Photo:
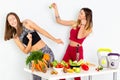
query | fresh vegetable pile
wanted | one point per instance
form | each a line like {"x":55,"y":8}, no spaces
{"x":78,"y":65}
{"x":58,"y":64}
{"x":38,"y":61}
{"x":72,"y":66}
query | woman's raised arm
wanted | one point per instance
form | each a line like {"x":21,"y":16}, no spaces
{"x":59,"y":20}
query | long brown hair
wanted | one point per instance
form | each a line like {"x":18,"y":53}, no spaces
{"x":88,"y":15}
{"x":11,"y":31}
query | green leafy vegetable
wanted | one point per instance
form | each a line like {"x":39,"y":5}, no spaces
{"x":35,"y":55}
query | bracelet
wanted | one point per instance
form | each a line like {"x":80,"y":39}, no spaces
{"x":57,"y":16}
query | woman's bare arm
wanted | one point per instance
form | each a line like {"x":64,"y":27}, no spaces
{"x":25,"y":49}
{"x":42,"y":31}
{"x":59,"y":20}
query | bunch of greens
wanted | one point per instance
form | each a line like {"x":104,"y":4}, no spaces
{"x":35,"y":55}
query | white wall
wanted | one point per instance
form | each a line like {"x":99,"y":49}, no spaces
{"x":105,"y":30}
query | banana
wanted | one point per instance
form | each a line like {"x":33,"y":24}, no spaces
{"x":70,"y":70}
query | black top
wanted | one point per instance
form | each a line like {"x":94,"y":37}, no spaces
{"x":25,"y":40}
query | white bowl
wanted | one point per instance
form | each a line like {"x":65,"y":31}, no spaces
{"x":58,"y":69}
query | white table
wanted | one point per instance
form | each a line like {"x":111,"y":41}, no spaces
{"x":61,"y":75}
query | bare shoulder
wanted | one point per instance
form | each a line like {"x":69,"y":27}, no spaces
{"x":28,"y":24}
{"x":26,"y":21}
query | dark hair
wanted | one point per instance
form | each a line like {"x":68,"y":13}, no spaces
{"x":11,"y":31}
{"x":88,"y":15}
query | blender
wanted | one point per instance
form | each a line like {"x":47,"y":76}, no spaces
{"x":102,"y":56}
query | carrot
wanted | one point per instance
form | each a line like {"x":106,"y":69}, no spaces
{"x":33,"y":66}
{"x":40,"y":64}
{"x":38,"y":67}
{"x":45,"y":61}
{"x":45,"y":65}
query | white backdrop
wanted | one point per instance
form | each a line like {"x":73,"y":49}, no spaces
{"x":105,"y":31}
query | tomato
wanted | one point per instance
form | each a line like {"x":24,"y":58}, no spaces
{"x":85,"y":67}
{"x":59,"y":65}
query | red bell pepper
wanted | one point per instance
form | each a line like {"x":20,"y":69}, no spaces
{"x":85,"y":67}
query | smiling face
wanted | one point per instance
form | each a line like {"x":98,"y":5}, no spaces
{"x":13,"y":26}
{"x":12,"y":21}
{"x":81,"y":15}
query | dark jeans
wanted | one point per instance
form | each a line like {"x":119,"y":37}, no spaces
{"x":35,"y":77}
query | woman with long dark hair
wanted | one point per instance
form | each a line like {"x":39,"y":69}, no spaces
{"x":25,"y":35}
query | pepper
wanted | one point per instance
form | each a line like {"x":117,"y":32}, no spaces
{"x":85,"y":67}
